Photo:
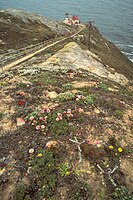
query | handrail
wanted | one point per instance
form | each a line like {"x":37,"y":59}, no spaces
{"x":30,"y":52}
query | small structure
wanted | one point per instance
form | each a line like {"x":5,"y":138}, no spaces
{"x":71,"y":20}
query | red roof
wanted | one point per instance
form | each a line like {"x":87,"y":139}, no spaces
{"x":74,"y":17}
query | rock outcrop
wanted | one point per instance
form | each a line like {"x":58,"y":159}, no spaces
{"x":73,"y":57}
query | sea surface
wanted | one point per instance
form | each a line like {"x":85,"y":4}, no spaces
{"x":114,"y":18}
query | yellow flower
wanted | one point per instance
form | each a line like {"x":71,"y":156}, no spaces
{"x":111,"y":147}
{"x":116,"y":154}
{"x":39,"y":155}
{"x":120,"y":149}
{"x":67,"y":173}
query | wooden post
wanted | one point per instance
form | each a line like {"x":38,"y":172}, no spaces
{"x":89,"y":43}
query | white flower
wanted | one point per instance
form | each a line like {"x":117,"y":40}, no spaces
{"x":31,"y":150}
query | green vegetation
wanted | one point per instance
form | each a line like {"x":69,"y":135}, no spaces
{"x":66,"y":96}
{"x":44,"y":168}
{"x":64,"y":169}
{"x":67,"y":86}
{"x":122,"y":193}
{"x":20,"y":193}
{"x":80,"y":191}
{"x":88,"y":100}
{"x":54,"y":121}
{"x":1,"y":115}
{"x":118,"y":114}
{"x":103,"y":87}
{"x":44,"y":78}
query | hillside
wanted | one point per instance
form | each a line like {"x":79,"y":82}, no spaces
{"x":67,"y":121}
{"x":19,"y":29}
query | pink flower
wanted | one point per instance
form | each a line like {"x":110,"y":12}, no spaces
{"x":59,"y":114}
{"x":68,"y":111}
{"x":70,"y":115}
{"x":42,"y":111}
{"x":64,"y":112}
{"x":38,"y":127}
{"x":40,"y":118}
{"x":97,"y":142}
{"x":48,"y":110}
{"x":32,"y":118}
{"x":89,"y":142}
{"x":60,"y":118}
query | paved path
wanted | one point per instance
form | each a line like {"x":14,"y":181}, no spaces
{"x":20,"y":60}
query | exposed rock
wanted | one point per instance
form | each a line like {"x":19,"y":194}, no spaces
{"x":120,"y":78}
{"x":51,"y":95}
{"x":73,"y":57}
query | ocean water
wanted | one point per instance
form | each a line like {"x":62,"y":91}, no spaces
{"x":114,"y":18}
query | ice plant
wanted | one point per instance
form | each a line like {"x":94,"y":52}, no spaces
{"x":32,"y":118}
{"x":48,"y":110}
{"x":38,"y":127}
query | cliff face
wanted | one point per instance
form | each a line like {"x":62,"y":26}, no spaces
{"x":66,"y":118}
{"x":109,"y":54}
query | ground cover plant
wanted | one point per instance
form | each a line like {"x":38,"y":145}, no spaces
{"x":70,"y":146}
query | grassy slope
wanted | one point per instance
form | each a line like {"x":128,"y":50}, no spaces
{"x":15,"y":33}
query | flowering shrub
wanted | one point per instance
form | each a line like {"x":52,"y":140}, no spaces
{"x":54,"y":121}
{"x":113,"y":150}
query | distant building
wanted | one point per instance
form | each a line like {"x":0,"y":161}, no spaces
{"x":71,"y":20}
